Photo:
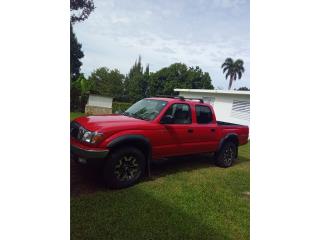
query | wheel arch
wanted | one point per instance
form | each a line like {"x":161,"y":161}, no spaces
{"x":139,"y":141}
{"x":232,"y":137}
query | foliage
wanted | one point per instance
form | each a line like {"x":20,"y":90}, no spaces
{"x":120,"y":106}
{"x":140,"y":84}
{"x":136,"y":82}
{"x":243,"y":89}
{"x":75,"y":55}
{"x":188,"y":197}
{"x":106,"y":82}
{"x":178,"y":75}
{"x":233,"y":69}
{"x":80,"y":9}
{"x":79,"y":86}
{"x":80,"y":90}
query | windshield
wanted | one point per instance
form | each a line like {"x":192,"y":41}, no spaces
{"x":146,"y":109}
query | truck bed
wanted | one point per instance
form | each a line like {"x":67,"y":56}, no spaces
{"x":231,"y":128}
{"x":228,"y":124}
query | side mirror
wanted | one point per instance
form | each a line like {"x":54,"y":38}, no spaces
{"x":167,"y":119}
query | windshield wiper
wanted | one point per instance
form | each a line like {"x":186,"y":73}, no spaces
{"x":133,"y":115}
{"x":137,"y":116}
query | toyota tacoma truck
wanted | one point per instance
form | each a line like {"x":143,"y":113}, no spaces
{"x":153,"y":128}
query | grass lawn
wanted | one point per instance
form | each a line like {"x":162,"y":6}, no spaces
{"x":188,"y":198}
{"x":74,"y":115}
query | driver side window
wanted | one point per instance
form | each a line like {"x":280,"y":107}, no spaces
{"x":180,"y":113}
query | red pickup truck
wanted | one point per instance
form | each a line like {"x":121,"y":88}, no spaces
{"x":151,"y":129}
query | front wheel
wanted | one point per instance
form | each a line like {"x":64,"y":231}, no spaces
{"x":124,"y":167}
{"x":226,"y":155}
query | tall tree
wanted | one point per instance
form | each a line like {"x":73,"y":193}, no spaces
{"x":80,"y":10}
{"x":233,"y":69}
{"x":136,"y":83}
{"x":107,"y":82}
{"x":75,"y":55}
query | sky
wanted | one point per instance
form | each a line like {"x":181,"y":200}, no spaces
{"x":198,"y":33}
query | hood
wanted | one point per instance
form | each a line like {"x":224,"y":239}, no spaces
{"x":96,"y":123}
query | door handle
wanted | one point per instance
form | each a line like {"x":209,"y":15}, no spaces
{"x":190,"y":130}
{"x":213,"y":130}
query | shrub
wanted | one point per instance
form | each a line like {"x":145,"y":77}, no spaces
{"x":120,"y":106}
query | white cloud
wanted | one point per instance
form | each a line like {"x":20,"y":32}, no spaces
{"x":196,"y":33}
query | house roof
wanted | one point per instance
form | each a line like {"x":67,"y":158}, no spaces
{"x":213,"y":91}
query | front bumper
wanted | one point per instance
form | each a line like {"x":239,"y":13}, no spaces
{"x":88,"y":153}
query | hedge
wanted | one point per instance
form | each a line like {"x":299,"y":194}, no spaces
{"x":120,"y":106}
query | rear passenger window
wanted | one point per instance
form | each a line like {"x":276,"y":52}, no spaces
{"x":204,"y":114}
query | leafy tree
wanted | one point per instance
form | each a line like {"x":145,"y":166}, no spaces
{"x":107,"y":82}
{"x":198,"y":79}
{"x":136,"y":82}
{"x":178,"y":75}
{"x":243,"y":89}
{"x":80,"y":89}
{"x":233,"y":69}
{"x":75,"y":55}
{"x":80,"y":10}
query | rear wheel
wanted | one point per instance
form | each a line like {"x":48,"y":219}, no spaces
{"x":226,"y":155}
{"x":124,"y":167}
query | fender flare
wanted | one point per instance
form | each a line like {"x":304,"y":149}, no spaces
{"x":232,"y":136}
{"x":137,"y":140}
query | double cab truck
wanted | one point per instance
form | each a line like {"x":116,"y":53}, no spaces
{"x":153,"y":128}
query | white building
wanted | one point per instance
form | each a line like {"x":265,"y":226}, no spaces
{"x":229,"y":106}
{"x":98,"y":105}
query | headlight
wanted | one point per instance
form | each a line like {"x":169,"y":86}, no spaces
{"x":87,"y":136}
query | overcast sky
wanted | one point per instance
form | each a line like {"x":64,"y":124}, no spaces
{"x":198,"y":33}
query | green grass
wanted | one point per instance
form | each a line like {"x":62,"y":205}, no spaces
{"x":185,"y":199}
{"x":74,"y":115}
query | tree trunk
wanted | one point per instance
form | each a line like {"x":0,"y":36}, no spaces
{"x":230,"y":82}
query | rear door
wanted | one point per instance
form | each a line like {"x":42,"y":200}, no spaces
{"x":206,"y":129}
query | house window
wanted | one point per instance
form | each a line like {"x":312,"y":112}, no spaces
{"x":241,"y":110}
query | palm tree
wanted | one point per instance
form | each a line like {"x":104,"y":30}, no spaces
{"x":234,"y":69}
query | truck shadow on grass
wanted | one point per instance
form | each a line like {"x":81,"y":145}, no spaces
{"x":85,"y":179}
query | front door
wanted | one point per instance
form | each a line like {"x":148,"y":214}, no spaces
{"x":180,"y":130}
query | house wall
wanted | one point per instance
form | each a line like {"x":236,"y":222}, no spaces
{"x":224,"y":106}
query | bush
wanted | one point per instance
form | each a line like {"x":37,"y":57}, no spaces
{"x":120,"y":106}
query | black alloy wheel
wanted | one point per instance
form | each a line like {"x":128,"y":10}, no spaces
{"x":226,"y":155}
{"x":124,"y":167}
{"x":127,"y":168}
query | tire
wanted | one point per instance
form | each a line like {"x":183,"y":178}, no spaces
{"x":226,"y":155}
{"x":124,"y":167}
